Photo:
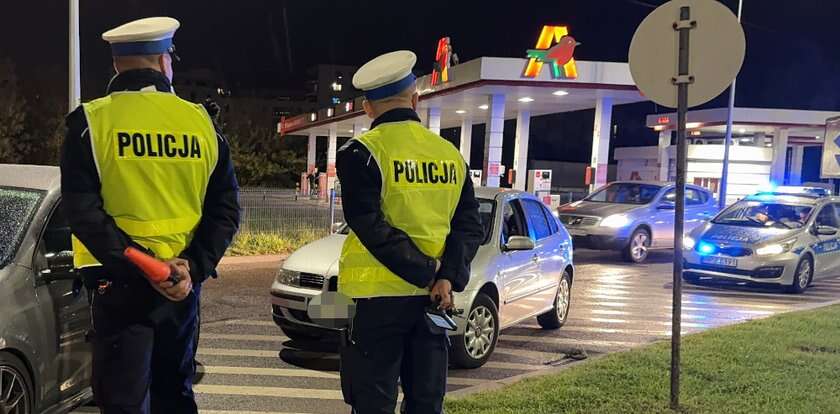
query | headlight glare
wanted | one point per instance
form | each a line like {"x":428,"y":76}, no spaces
{"x":775,"y":248}
{"x":615,"y":221}
{"x":288,"y":277}
{"x":688,"y":243}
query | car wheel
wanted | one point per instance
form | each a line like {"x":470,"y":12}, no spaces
{"x":802,"y":277}
{"x":637,"y":248}
{"x":556,"y":317}
{"x":474,"y":348}
{"x":15,"y":386}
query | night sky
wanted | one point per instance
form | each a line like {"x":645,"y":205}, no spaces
{"x":793,"y":59}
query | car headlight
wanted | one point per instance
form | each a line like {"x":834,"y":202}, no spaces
{"x":615,"y":221}
{"x":775,"y":248}
{"x":688,"y":243}
{"x":288,"y":277}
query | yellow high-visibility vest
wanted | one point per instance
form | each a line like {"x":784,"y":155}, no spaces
{"x":422,"y":178}
{"x":154,"y":153}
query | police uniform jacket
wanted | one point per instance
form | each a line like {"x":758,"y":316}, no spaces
{"x":90,"y":223}
{"x":361,"y":187}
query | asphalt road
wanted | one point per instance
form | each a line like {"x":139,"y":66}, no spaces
{"x":247,"y":366}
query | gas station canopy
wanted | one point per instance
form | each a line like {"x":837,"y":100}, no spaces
{"x":466,"y":94}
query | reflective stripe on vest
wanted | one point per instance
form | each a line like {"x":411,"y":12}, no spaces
{"x":422,"y":178}
{"x":154,"y":153}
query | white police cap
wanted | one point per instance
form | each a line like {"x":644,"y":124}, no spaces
{"x":149,"y":36}
{"x":386,"y":75}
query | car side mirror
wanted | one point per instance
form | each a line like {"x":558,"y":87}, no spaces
{"x":59,"y":267}
{"x":826,"y":230}
{"x":666,"y":206}
{"x":519,"y":243}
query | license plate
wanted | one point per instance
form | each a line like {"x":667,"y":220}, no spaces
{"x":575,"y":232}
{"x":720,"y":261}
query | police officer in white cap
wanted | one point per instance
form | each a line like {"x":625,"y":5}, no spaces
{"x":143,"y":168}
{"x":409,"y":202}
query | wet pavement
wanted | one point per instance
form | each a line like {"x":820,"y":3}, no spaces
{"x":247,"y":365}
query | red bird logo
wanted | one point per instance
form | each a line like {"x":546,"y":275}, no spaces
{"x":562,"y":52}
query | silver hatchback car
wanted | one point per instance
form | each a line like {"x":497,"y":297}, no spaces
{"x":523,"y":269}
{"x":634,"y":216}
{"x":45,"y":361}
{"x":786,"y":240}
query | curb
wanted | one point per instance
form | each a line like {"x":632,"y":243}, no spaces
{"x":268,"y":258}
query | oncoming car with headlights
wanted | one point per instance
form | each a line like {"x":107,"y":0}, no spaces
{"x":780,"y":239}
{"x":634,"y":217}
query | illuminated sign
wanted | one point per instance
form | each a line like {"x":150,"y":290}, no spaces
{"x":287,"y":124}
{"x":560,"y":56}
{"x":348,"y":106}
{"x":443,"y":58}
{"x":663,"y":120}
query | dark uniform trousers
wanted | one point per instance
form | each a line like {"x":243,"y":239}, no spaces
{"x":391,"y":340}
{"x":144,"y":348}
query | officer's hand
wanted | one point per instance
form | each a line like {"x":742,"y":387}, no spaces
{"x":179,"y":291}
{"x":442,"y":291}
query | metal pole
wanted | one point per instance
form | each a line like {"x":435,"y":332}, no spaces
{"x":724,"y":178}
{"x":332,"y":209}
{"x":74,"y":76}
{"x":682,"y":81}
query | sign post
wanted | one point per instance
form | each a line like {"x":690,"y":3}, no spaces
{"x":704,"y":41}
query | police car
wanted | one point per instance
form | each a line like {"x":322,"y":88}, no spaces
{"x":786,"y":238}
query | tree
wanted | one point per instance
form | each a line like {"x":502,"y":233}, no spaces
{"x":12,"y":113}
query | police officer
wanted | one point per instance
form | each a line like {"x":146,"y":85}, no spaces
{"x":143,"y":168}
{"x":415,"y":228}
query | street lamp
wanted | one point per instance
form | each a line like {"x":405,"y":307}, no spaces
{"x":724,"y":178}
{"x":74,"y":90}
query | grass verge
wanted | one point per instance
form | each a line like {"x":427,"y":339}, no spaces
{"x":784,"y":364}
{"x":250,"y":244}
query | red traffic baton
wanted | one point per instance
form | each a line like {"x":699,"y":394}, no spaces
{"x":155,"y":270}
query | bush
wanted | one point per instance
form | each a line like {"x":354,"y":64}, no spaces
{"x":249,"y":244}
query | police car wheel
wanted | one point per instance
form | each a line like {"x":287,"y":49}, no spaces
{"x":556,"y":317}
{"x":636,"y":250}
{"x":474,"y":348}
{"x":802,"y":277}
{"x":15,"y":386}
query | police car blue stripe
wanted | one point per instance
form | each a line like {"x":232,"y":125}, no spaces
{"x":390,"y":89}
{"x":153,"y":47}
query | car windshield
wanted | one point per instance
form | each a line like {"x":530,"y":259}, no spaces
{"x":485,"y":211}
{"x":765,"y":214}
{"x":625,"y":193}
{"x":18,"y":206}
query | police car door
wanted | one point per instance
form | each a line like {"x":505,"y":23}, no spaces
{"x":518,"y":269}
{"x":827,"y":249}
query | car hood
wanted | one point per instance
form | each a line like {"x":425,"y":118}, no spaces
{"x":319,"y":257}
{"x":589,"y":208}
{"x":724,"y":233}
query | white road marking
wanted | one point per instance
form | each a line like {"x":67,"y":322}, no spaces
{"x":519,"y":352}
{"x":270,"y":372}
{"x":282,"y":392}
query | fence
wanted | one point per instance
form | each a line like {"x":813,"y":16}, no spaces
{"x":282,"y":211}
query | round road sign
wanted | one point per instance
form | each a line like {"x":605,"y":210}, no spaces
{"x":716,"y":52}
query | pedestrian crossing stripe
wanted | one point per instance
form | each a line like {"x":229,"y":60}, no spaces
{"x":300,"y":373}
{"x":256,"y":391}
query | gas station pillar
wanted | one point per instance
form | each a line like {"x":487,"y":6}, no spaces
{"x":310,"y":154}
{"x":331,"y":148}
{"x":360,"y":126}
{"x":796,"y":160}
{"x":780,"y":143}
{"x":493,"y":139}
{"x":664,"y":160}
{"x":520,"y":149}
{"x":433,"y":119}
{"x":466,"y":137}
{"x":601,"y":141}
